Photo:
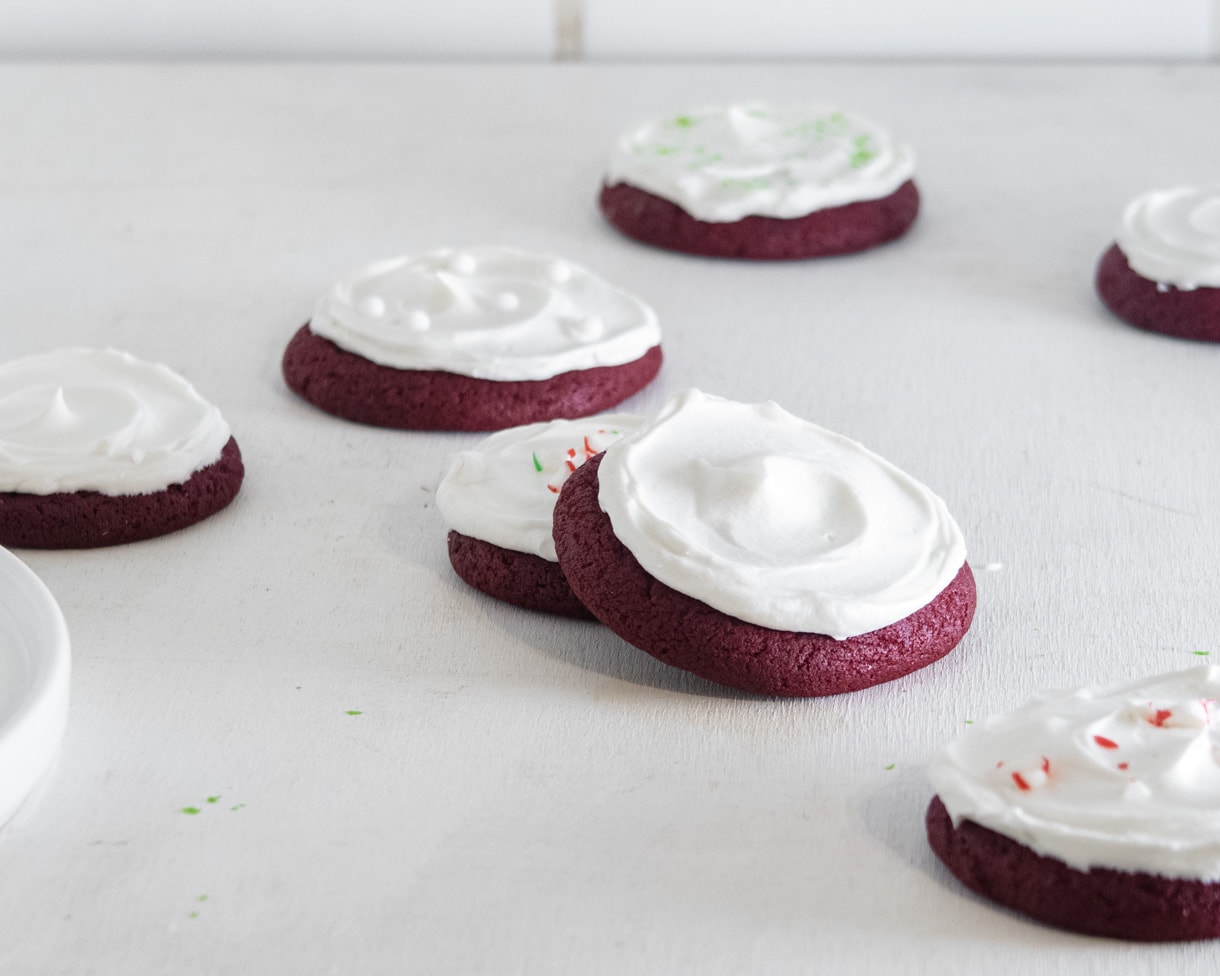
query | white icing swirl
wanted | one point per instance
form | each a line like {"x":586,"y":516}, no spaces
{"x":492,"y":313}
{"x":101,"y":420}
{"x":1123,"y":776}
{"x":504,"y":489}
{"x":776,"y":521}
{"x":723,"y":163}
{"x":1172,"y":237}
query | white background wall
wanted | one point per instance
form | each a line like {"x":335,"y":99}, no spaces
{"x":612,"y":29}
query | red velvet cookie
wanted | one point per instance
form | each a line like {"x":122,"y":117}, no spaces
{"x":474,"y":339}
{"x":1133,"y":905}
{"x":758,"y":550}
{"x":1163,"y":273}
{"x":1092,"y":810}
{"x":761,"y":182}
{"x":852,"y":227}
{"x":1193,"y":314}
{"x":99,"y":448}
{"x":498,"y":500}
{"x":89,"y":519}
{"x":520,"y":578}
{"x":355,"y":388}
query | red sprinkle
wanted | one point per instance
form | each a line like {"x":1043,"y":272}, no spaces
{"x":1046,"y":765}
{"x":1124,"y":765}
{"x":1161,"y":715}
{"x":589,"y":452}
{"x":1105,"y":743}
{"x":554,"y":490}
{"x":1020,"y":781}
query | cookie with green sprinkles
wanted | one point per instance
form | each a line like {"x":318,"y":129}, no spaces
{"x":498,"y":499}
{"x":762,"y":182}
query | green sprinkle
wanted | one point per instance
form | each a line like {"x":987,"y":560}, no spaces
{"x":684,"y":121}
{"x":190,"y":810}
{"x":537,"y":463}
{"x":238,"y":807}
{"x":664,"y":150}
{"x":891,"y":765}
{"x":202,"y":898}
{"x":860,"y":157}
{"x":193,"y":915}
{"x":353,"y":711}
{"x":1201,"y":653}
{"x":969,"y":721}
{"x":213,"y":799}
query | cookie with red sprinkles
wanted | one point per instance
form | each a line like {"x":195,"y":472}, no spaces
{"x":498,"y":499}
{"x":1092,"y":810}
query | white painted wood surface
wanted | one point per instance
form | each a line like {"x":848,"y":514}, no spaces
{"x":605,"y":29}
{"x":520,"y":794}
{"x":898,"y":28}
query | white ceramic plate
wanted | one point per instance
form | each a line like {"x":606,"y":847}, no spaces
{"x":34,"y":673}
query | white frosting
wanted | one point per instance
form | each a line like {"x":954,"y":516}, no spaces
{"x":776,"y":521}
{"x":101,"y":420}
{"x":1123,"y":776}
{"x":723,"y":163}
{"x":1173,"y":237}
{"x":503,"y":490}
{"x":493,"y":313}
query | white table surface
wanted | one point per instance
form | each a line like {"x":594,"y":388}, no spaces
{"x":521,"y":794}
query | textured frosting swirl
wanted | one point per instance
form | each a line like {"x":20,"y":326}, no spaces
{"x":101,"y":420}
{"x":776,"y":521}
{"x":1173,"y":237}
{"x":504,"y":489}
{"x":492,"y":313}
{"x":1123,"y":776}
{"x":723,"y":163}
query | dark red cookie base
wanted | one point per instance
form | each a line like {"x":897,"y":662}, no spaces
{"x":836,"y":230}
{"x":1193,"y":314}
{"x":1119,"y":904}
{"x":89,"y":519}
{"x":355,"y":388}
{"x":521,"y":578}
{"x":690,"y":635}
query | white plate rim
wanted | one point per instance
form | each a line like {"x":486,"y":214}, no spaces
{"x":32,"y":729}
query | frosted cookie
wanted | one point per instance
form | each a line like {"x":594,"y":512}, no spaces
{"x":1163,"y":271}
{"x":1095,"y":810}
{"x":480,"y":338}
{"x":760,"y":551}
{"x":99,"y":448}
{"x":498,"y":500}
{"x":752,"y":180}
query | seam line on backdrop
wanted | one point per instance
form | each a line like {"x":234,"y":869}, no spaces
{"x":570,"y":27}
